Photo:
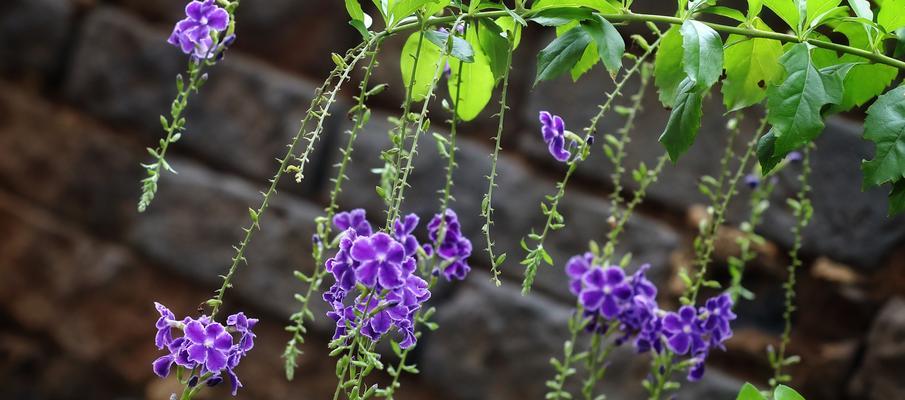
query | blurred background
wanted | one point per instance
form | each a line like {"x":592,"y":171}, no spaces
{"x":82,"y":83}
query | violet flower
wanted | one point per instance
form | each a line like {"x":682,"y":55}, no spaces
{"x":576,"y":267}
{"x":193,"y":34}
{"x":604,"y":290}
{"x":381,"y":260}
{"x":355,"y":220}
{"x":683,"y":330}
{"x":752,"y":181}
{"x":553,"y":130}
{"x":454,"y":248}
{"x":717,"y":313}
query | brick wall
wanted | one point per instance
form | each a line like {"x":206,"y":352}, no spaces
{"x":82,"y":83}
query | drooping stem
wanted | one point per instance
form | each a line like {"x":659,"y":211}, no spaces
{"x":538,"y":254}
{"x":564,"y":368}
{"x":706,"y":242}
{"x":758,"y":204}
{"x":487,"y":204}
{"x":319,"y":107}
{"x":802,"y":210}
{"x":324,"y":240}
{"x":601,"y":346}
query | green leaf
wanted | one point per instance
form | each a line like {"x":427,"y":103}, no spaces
{"x":477,"y":80}
{"x":892,"y":15}
{"x":754,"y":8}
{"x":509,"y":25}
{"x":354,"y":10}
{"x":560,"y":16}
{"x":862,"y":9}
{"x":561,"y":54}
{"x":460,"y":48}
{"x":604,"y":6}
{"x":684,"y":121}
{"x":794,"y":106}
{"x":749,"y":68}
{"x":749,"y":392}
{"x":897,"y":198}
{"x":494,"y":46}
{"x":727,"y":12}
{"x":885,"y":126}
{"x":668,"y":70}
{"x":426,"y":68}
{"x":609,"y":43}
{"x":864,"y":81}
{"x":703,"y":53}
{"x":787,"y":10}
{"x":766,"y":155}
{"x":404,"y":8}
{"x":817,"y":8}
{"x":784,"y":392}
{"x":587,"y":61}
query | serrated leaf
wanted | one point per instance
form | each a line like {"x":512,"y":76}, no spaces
{"x":684,"y":121}
{"x":426,"y":68}
{"x":794,"y":106}
{"x":892,"y":15}
{"x":477,"y":81}
{"x":864,"y":81}
{"x":459,"y":49}
{"x":560,"y":16}
{"x":750,"y":69}
{"x":668,"y":70}
{"x":702,"y":57}
{"x":561,"y":54}
{"x":885,"y":126}
{"x":609,"y":43}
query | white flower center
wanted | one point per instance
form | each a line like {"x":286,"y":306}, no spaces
{"x":686,"y":329}
{"x":607,"y":289}
{"x":208,"y":342}
{"x":203,"y":20}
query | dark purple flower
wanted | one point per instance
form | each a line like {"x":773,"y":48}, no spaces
{"x":454,"y":248}
{"x":193,"y":34}
{"x":697,"y":369}
{"x":753,"y":181}
{"x":649,"y":337}
{"x":209,"y":345}
{"x":641,"y":286}
{"x":717,"y":313}
{"x":342,"y":266}
{"x":356,"y":220}
{"x":553,"y":130}
{"x":381,"y":260}
{"x":164,"y":329}
{"x":402,"y":231}
{"x":576,"y":267}
{"x":604,"y":290}
{"x":683,"y":330}
{"x":243,"y":325}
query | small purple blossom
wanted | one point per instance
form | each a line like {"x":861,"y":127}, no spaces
{"x":355,"y":220}
{"x":717,"y":314}
{"x":604,"y":290}
{"x":553,"y":130}
{"x":453,"y":248}
{"x":752,"y":181}
{"x":683,"y":330}
{"x":576,"y":267}
{"x":193,"y":34}
{"x":205,"y":346}
{"x":795,"y":157}
{"x":381,"y":260}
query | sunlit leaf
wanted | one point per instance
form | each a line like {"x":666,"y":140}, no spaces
{"x":428,"y":59}
{"x":750,"y":68}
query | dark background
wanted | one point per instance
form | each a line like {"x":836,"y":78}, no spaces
{"x":82,"y":83}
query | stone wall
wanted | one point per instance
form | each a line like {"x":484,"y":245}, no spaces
{"x":82,"y":83}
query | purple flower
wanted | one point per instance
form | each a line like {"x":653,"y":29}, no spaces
{"x":795,"y":157}
{"x":356,"y":220}
{"x":402,"y":231}
{"x":576,"y":267}
{"x":604,"y":290}
{"x":193,"y":34}
{"x":697,"y":369}
{"x":243,"y":325}
{"x":381,"y":260}
{"x":641,"y":286}
{"x":209,"y":345}
{"x":752,"y":181}
{"x":454,"y":248}
{"x":717,"y":312}
{"x":553,"y":130}
{"x":683,"y":330}
{"x":164,"y":329}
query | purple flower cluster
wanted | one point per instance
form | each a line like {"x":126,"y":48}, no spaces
{"x":553,"y":130}
{"x":193,"y":34}
{"x":375,"y":271}
{"x":205,"y":346}
{"x":608,"y":297}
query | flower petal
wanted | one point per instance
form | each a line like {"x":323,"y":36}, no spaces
{"x":194,"y":331}
{"x":216,"y":360}
{"x":679,"y":343}
{"x":363,"y":250}
{"x":367,"y":273}
{"x":162,"y":365}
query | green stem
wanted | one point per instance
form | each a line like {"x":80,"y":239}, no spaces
{"x":358,"y":53}
{"x":802,"y":211}
{"x":749,"y":32}
{"x":487,"y":205}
